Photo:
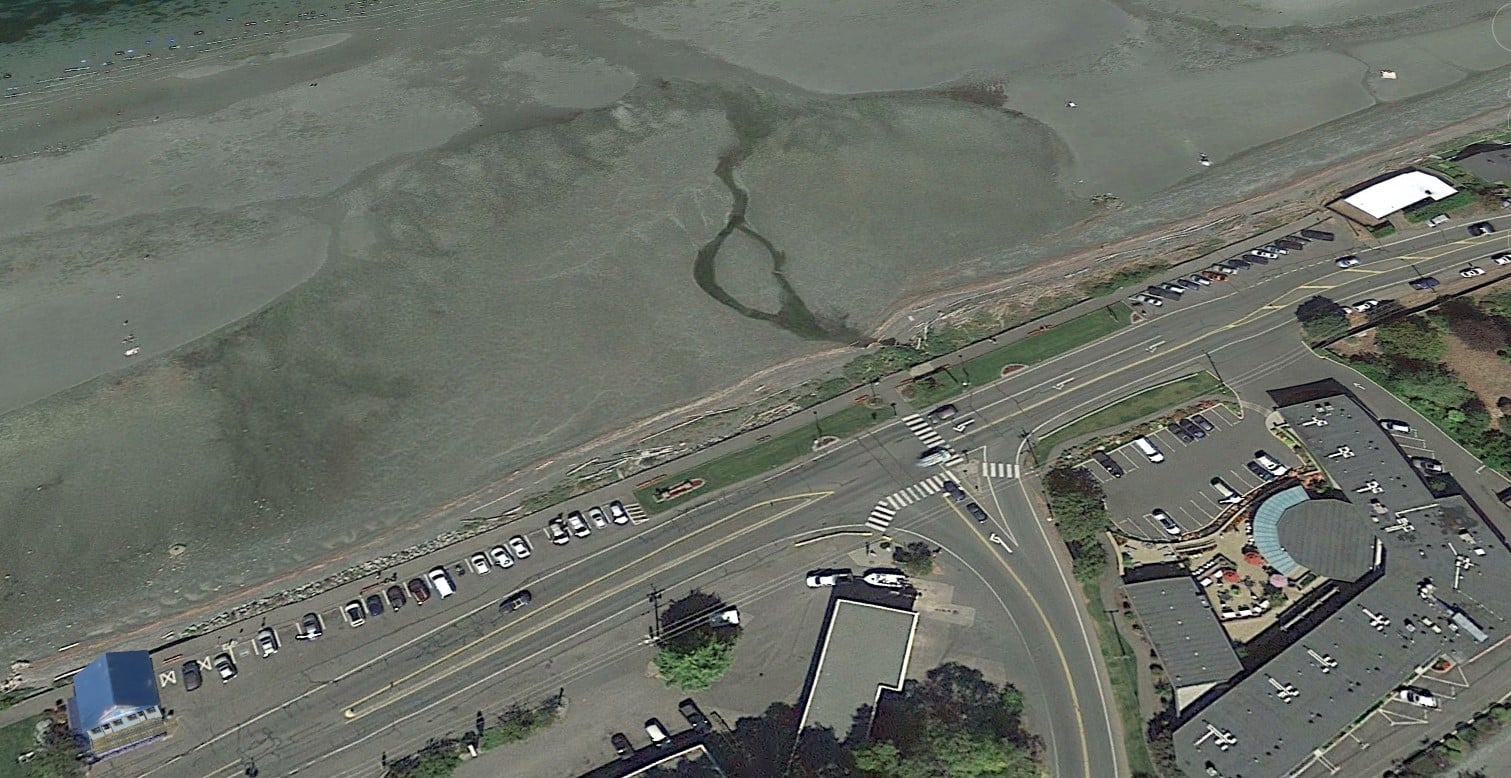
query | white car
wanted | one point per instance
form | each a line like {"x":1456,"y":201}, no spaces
{"x":617,"y":513}
{"x":557,"y":532}
{"x":1503,"y":258}
{"x":1348,"y":261}
{"x":821,"y":578}
{"x":1273,"y":249}
{"x":1361,"y":306}
{"x":479,"y":563}
{"x":1397,"y":427}
{"x":1152,"y":300}
{"x":1418,"y":697}
{"x":1471,"y":272}
{"x":1270,"y":465}
{"x":267,"y":642}
{"x":595,"y":515}
{"x":1165,"y":521}
{"x":500,"y":557}
{"x":1266,"y":254}
{"x":576,"y":524}
{"x":355,"y":615}
{"x":936,"y":455}
{"x":1174,"y":289}
{"x":520,"y":546}
{"x":1200,"y":279}
{"x":226,"y":667}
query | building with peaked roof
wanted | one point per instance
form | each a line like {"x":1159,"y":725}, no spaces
{"x":115,"y":705}
{"x":1490,"y":161}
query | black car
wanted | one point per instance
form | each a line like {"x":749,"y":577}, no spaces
{"x":622,"y":745}
{"x":1187,"y":283}
{"x":975,"y":511}
{"x":1481,"y":228}
{"x":192,"y":678}
{"x":1108,"y":463}
{"x":943,"y":413}
{"x":1264,"y":475}
{"x":1175,"y":429}
{"x":1293,"y":245}
{"x":695,"y":717}
{"x":1201,"y":421}
{"x":311,"y":627}
{"x":1255,"y":259}
{"x":374,"y":605}
{"x":396,"y":598}
{"x":420,"y":590}
{"x":515,"y":601}
{"x":1424,"y":283}
{"x":954,"y":491}
{"x":1318,"y":234}
{"x":1192,"y":428}
{"x":1240,"y":263}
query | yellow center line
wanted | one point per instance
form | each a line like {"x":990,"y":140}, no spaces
{"x":394,"y":692}
{"x":1075,"y":699}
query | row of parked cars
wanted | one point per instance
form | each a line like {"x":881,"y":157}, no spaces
{"x":657,"y":732}
{"x":1158,"y":294}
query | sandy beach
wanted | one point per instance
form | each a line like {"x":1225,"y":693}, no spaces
{"x":376,"y":260}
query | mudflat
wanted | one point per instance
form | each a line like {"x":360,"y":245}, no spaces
{"x":375,"y":261}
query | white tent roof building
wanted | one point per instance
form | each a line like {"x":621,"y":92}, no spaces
{"x":1397,"y":192}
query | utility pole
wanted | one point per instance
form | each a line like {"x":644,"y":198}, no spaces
{"x":1213,"y":363}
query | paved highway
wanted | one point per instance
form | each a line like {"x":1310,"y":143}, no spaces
{"x":336,"y":706}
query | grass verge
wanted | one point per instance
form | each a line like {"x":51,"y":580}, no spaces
{"x":1449,"y":204}
{"x":768,"y":455}
{"x":946,"y":383}
{"x":1131,"y":409}
{"x":1122,"y":676}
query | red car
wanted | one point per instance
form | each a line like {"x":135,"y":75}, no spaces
{"x":420,"y":591}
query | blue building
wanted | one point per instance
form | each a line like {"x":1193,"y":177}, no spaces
{"x":115,"y":705}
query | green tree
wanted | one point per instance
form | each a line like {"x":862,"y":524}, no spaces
{"x":1321,"y":318}
{"x":685,"y":624}
{"x":697,"y":668}
{"x":915,"y":558}
{"x":1411,"y":338}
{"x":879,"y":758}
{"x":1079,"y":506}
{"x":1434,"y":384}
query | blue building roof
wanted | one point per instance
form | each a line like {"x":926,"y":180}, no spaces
{"x":1266,"y":532}
{"x":117,"y":681}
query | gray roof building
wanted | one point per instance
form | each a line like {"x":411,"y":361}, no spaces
{"x":1490,"y":161}
{"x":1343,"y":655}
{"x":865,"y":650}
{"x":1192,"y":645}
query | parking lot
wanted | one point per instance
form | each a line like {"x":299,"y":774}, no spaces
{"x":1181,"y":485}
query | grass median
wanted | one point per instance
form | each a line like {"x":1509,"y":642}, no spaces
{"x":1122,"y":676}
{"x":946,"y":383}
{"x":1131,"y":409}
{"x":765,"y":456}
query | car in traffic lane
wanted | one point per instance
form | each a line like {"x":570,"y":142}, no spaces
{"x":819,"y":579}
{"x":515,"y":601}
{"x":1348,"y":261}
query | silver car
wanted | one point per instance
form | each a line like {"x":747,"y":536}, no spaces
{"x":557,"y":532}
{"x":520,"y":546}
{"x":577,"y":525}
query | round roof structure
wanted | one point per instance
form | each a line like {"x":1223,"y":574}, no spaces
{"x":1331,"y":538}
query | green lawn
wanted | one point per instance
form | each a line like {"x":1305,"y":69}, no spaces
{"x":768,"y":455}
{"x":1122,"y":675}
{"x":15,"y":740}
{"x":1448,"y":204}
{"x":1033,"y":349}
{"x":1145,"y":403}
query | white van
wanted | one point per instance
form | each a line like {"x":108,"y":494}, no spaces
{"x":440,"y":580}
{"x":937,"y":455}
{"x":1229,"y":497}
{"x":1147,"y":448}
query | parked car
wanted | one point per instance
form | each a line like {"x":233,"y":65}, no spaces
{"x":1169,"y":525}
{"x":1223,"y":268}
{"x":1440,"y":219}
{"x":374,"y":605}
{"x":1361,"y":306}
{"x":1262,"y":254}
{"x":1396,"y":427}
{"x":622,"y":745}
{"x":515,"y":601}
{"x":479,"y":563}
{"x":1239,"y":263}
{"x":1481,"y":228}
{"x":976,"y":512}
{"x":617,"y":513}
{"x":1172,"y":288}
{"x":1151,"y":299}
{"x":1318,"y":234}
{"x":442,"y":582}
{"x":954,"y":491}
{"x":1258,"y":259}
{"x":1348,"y":261}
{"x":500,"y":557}
{"x":1418,"y":697}
{"x":1187,"y":283}
{"x":1201,"y":280}
{"x":1424,"y":283}
{"x":420,"y":591}
{"x":1287,"y":243}
{"x":355,"y":615}
{"x":1175,"y":429}
{"x":943,"y":413}
{"x":657,"y":733}
{"x":1274,"y":248}
{"x":225,"y":667}
{"x":396,"y":598}
{"x":1213,"y":275}
{"x":267,"y":642}
{"x":595,"y":515}
{"x":192,"y":678}
{"x":556,"y":529}
{"x":1503,"y":258}
{"x":1201,"y":421}
{"x":311,"y":627}
{"x":821,"y":578}
{"x":577,"y":526}
{"x":1256,"y":469}
{"x":1192,"y":428}
{"x":695,"y":717}
{"x":1108,"y":463}
{"x":1429,"y":466}
{"x":1270,"y":463}
{"x":520,"y":546}
{"x":1471,"y":272}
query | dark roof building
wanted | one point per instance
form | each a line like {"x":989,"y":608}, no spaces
{"x":1430,"y":561}
{"x":1490,"y":161}
{"x":1192,"y":645}
{"x":115,"y":705}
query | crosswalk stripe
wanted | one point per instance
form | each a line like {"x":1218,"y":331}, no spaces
{"x":999,"y":470}
{"x":923,"y":431}
{"x":881,"y":517}
{"x":634,"y":511}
